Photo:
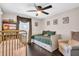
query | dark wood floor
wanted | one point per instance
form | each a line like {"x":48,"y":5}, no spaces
{"x":35,"y":50}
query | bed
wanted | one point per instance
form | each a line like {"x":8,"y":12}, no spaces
{"x":47,"y":42}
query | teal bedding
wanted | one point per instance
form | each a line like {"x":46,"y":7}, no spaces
{"x":42,"y":39}
{"x":33,"y":36}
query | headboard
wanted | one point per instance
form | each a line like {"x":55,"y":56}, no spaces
{"x":75,"y":35}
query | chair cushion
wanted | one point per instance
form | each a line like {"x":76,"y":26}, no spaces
{"x":73,"y":42}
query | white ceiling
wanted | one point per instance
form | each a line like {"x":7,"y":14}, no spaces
{"x":21,"y":8}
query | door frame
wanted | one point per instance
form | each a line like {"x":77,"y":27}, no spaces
{"x":30,"y":26}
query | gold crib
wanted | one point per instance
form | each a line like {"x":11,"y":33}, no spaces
{"x":12,"y":44}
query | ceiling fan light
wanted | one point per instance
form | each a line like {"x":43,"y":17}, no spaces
{"x":39,"y":12}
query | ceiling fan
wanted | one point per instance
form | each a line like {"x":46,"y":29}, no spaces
{"x":39,"y":9}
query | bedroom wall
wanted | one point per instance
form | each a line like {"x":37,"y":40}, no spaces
{"x":64,"y":29}
{"x":9,"y":16}
{"x":35,"y":29}
{"x":0,"y":23}
{"x":1,"y":19}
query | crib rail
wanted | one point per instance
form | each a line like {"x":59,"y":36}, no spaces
{"x":11,"y":42}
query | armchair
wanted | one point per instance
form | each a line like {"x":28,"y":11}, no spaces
{"x":69,"y":47}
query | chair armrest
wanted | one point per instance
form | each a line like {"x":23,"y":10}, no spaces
{"x":61,"y":40}
{"x":75,"y":47}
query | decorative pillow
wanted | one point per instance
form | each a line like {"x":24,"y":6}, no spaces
{"x":44,"y":32}
{"x":45,"y":35}
{"x":51,"y":33}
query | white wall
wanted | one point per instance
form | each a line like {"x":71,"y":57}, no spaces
{"x":9,"y":16}
{"x":64,"y":29}
{"x":60,"y":28}
{"x":35,"y":30}
{"x":0,"y":20}
{"x":0,"y":23}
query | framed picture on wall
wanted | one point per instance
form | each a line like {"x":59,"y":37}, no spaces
{"x":48,"y":23}
{"x":36,"y":23}
{"x":65,"y":20}
{"x":55,"y":21}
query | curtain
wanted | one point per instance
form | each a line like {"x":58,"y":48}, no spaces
{"x":22,"y":19}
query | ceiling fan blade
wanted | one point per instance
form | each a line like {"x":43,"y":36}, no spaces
{"x":45,"y":12}
{"x":50,"y":6}
{"x":31,"y":11}
{"x":35,"y":6}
